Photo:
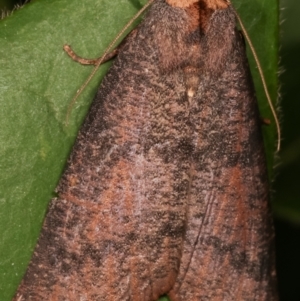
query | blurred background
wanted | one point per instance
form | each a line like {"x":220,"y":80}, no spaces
{"x":286,"y":186}
{"x":8,"y":5}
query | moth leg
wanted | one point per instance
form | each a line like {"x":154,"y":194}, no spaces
{"x":265,"y":121}
{"x":84,"y":61}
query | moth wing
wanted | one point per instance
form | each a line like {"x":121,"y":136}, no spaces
{"x":116,"y":230}
{"x":228,"y":248}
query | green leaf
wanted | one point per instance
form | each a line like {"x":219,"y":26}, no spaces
{"x":261,"y":19}
{"x":38,"y":81}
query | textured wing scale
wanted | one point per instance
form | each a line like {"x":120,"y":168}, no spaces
{"x":166,"y":188}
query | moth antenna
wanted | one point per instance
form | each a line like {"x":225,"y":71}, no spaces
{"x":261,"y":75}
{"x":99,"y":62}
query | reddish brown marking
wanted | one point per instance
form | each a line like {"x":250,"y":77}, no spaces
{"x":212,"y":4}
{"x":266,"y":121}
{"x":181,"y":3}
{"x":216,"y":4}
{"x":199,"y":11}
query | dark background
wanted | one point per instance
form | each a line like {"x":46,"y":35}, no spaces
{"x":286,"y":186}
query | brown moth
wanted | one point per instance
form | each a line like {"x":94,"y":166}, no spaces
{"x":166,"y":189}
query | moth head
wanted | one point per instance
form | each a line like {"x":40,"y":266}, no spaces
{"x":210,"y":4}
{"x":199,"y":11}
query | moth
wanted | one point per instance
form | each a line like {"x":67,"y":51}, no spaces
{"x":166,"y":189}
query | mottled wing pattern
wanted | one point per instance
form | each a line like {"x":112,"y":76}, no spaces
{"x":116,"y":230}
{"x":165,"y":190}
{"x":228,"y":248}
